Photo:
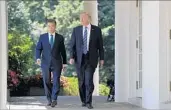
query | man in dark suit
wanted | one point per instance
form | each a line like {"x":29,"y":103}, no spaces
{"x":85,"y":50}
{"x":51,"y":55}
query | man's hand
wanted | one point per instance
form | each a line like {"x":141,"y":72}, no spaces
{"x":38,"y":62}
{"x":71,"y":61}
{"x":64,"y":67}
{"x":101,"y":63}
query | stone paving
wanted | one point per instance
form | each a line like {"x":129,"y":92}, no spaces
{"x":67,"y":103}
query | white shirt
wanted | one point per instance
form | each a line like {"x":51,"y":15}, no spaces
{"x":49,"y":34}
{"x":88,"y":35}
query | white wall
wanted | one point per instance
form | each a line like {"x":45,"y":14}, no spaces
{"x":3,"y":55}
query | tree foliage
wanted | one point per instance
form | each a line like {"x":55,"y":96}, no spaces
{"x":20,"y":52}
{"x":106,"y":22}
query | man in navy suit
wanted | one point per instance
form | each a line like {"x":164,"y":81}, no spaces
{"x":51,"y":55}
{"x":85,"y":50}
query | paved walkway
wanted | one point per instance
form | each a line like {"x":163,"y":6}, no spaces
{"x":67,"y":103}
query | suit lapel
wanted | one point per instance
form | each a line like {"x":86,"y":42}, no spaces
{"x":81,"y":34}
{"x":47,"y":40}
{"x":91,"y":34}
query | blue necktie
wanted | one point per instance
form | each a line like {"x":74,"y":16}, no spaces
{"x":51,"y":41}
{"x":85,"y":41}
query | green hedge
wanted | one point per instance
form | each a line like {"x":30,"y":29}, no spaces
{"x":103,"y":89}
{"x":72,"y":88}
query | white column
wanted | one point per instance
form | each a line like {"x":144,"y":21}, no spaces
{"x":165,"y":42}
{"x":151,"y":43}
{"x":122,"y":15}
{"x":91,"y":8}
{"x":156,"y":56}
{"x":3,"y":54}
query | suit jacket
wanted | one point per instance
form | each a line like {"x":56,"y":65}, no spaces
{"x":96,"y":49}
{"x":55,"y":56}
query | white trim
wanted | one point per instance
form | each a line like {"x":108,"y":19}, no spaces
{"x":133,"y":19}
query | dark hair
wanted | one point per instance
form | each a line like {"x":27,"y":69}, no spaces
{"x":51,"y":21}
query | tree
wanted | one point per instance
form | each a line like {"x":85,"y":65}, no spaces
{"x":106,"y":22}
{"x":67,"y":17}
{"x":20,"y":52}
{"x":18,"y":17}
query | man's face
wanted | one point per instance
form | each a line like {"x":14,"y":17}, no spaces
{"x":51,"y":27}
{"x":84,"y":19}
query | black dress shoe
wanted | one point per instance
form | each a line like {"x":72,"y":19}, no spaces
{"x":89,"y":106}
{"x":49,"y":104}
{"x":83,"y":104}
{"x":53,"y":103}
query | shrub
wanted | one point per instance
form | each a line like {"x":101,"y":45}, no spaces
{"x":35,"y":81}
{"x":12,"y":80}
{"x":69,"y":85}
{"x":72,"y":88}
{"x":103,"y":89}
